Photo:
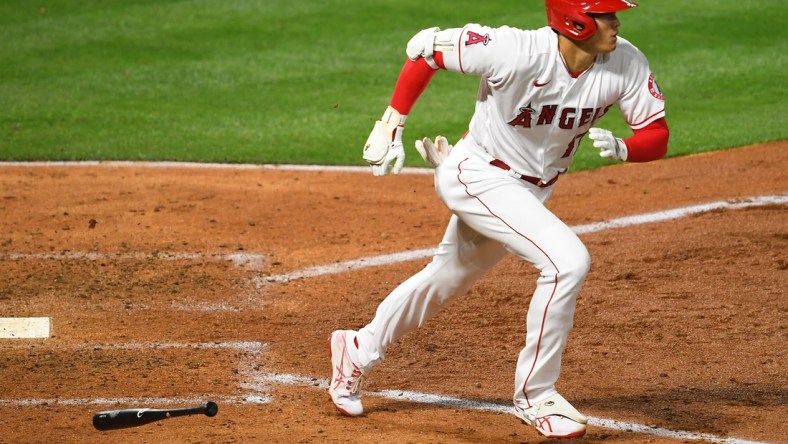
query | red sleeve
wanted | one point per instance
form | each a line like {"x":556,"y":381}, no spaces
{"x":648,"y":143}
{"x":412,"y":81}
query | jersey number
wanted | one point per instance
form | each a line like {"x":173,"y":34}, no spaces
{"x":573,"y":145}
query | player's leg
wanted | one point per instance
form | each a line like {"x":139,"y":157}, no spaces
{"x":512,"y":212}
{"x":549,"y":321}
{"x":463,"y":256}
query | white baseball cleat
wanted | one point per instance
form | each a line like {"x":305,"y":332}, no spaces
{"x":346,"y":377}
{"x":554,"y":417}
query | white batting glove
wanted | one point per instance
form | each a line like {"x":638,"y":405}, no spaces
{"x":395,"y":158}
{"x":384,"y":151}
{"x":609,"y":146}
{"x":433,"y":153}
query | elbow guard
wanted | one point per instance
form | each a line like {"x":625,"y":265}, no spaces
{"x":427,"y":41}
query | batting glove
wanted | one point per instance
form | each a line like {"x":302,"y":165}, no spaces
{"x":384,"y":151}
{"x":610,"y":147}
{"x":395,"y":158}
{"x":433,"y":153}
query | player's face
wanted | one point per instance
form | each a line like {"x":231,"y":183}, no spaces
{"x":604,"y":40}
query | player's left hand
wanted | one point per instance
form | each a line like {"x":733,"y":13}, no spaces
{"x":433,"y":153}
{"x":609,"y":145}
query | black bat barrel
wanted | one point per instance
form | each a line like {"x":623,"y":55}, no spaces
{"x":121,"y":419}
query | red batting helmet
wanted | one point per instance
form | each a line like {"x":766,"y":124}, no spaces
{"x":569,"y":17}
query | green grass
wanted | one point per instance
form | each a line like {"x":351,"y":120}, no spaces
{"x":303,"y":81}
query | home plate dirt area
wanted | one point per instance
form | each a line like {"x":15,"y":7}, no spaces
{"x":172,"y":285}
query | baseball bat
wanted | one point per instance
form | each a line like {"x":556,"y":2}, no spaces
{"x":121,"y":419}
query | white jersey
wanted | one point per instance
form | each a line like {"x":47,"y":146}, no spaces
{"x":531,"y":112}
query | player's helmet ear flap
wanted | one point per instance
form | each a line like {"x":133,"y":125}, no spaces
{"x":570,"y":17}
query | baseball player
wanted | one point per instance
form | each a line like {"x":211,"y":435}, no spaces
{"x":541,"y":92}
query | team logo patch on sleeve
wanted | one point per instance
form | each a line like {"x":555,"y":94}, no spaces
{"x":653,"y":88}
{"x":474,"y":38}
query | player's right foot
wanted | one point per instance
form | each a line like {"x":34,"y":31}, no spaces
{"x":553,"y":417}
{"x":346,"y":377}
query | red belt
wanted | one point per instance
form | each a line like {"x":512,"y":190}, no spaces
{"x":532,"y":180}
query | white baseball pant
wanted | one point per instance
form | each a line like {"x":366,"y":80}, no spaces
{"x":494,"y":214}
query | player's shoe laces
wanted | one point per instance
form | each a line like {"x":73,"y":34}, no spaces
{"x":554,"y":417}
{"x":346,"y":377}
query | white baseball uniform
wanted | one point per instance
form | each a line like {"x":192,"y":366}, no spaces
{"x":531,"y":113}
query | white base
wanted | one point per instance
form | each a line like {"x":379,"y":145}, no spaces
{"x":24,"y":328}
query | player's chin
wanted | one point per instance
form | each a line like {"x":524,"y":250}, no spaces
{"x":607,"y":48}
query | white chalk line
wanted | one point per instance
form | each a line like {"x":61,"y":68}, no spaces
{"x":247,"y":346}
{"x":211,"y":166}
{"x":453,"y":402}
{"x":150,"y":402}
{"x":250,"y":260}
{"x":678,"y":213}
{"x":355,"y":264}
{"x":621,"y":222}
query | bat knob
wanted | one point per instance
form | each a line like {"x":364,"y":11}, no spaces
{"x":211,"y":409}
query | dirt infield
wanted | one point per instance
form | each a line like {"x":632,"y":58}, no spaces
{"x":168,"y":287}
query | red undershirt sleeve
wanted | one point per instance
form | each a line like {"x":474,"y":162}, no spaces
{"x":412,"y":81}
{"x":648,"y":143}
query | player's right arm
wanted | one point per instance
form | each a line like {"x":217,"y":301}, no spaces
{"x":383,"y":149}
{"x":473,"y":49}
{"x":428,"y":51}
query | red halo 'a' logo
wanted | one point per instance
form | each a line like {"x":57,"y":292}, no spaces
{"x":653,"y":88}
{"x":474,"y":38}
